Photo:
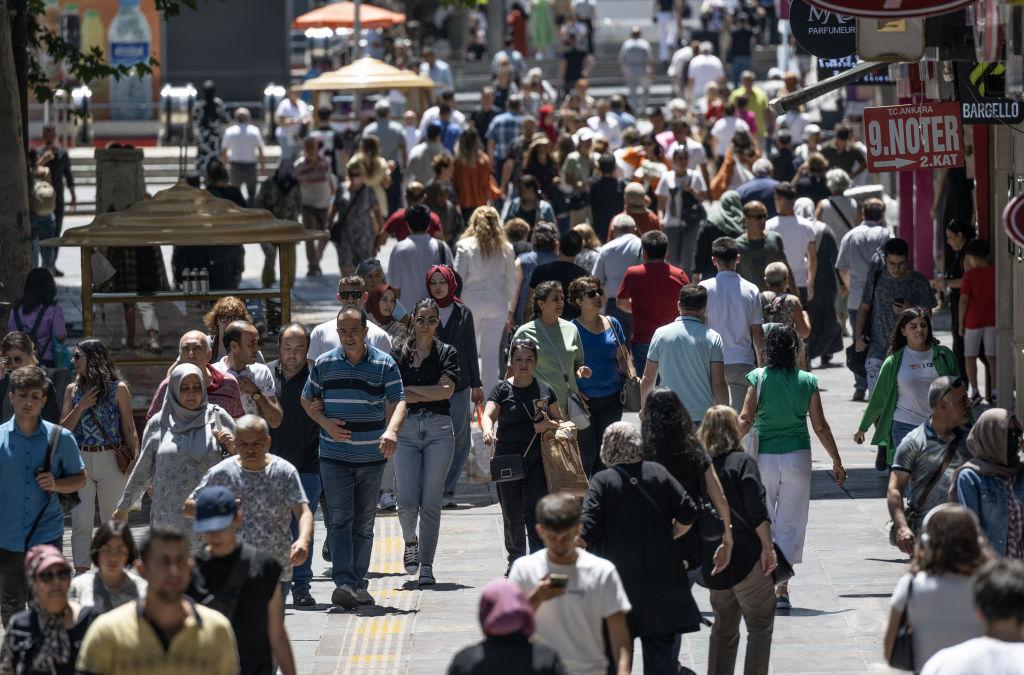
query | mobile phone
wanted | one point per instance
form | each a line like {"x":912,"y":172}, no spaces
{"x":898,"y":301}
{"x":559,"y":580}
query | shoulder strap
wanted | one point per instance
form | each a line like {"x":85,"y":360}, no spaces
{"x":47,"y":465}
{"x":846,"y":221}
{"x":225,"y":600}
{"x":103,"y":429}
{"x":632,"y":480}
{"x":950,"y":451}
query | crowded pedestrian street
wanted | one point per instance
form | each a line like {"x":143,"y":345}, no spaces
{"x":552,"y":337}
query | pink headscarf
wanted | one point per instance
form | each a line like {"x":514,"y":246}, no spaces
{"x":504,"y":610}
{"x":449,"y":276}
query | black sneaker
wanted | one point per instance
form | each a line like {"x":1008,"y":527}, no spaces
{"x":303,"y":599}
{"x":344,"y":596}
{"x":859,"y":395}
{"x":412,"y":557}
{"x":325,"y":552}
{"x":363,"y":597}
{"x":882,"y":459}
{"x":427,"y":576}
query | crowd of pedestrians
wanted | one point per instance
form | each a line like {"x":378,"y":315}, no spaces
{"x":559,"y":261}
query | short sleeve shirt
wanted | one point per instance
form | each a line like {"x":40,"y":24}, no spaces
{"x":267,"y":498}
{"x":517,"y":407}
{"x":653,"y":289}
{"x":782,"y":409}
{"x":980,"y":284}
{"x":856,"y":251}
{"x":756,"y":255}
{"x":797,"y":233}
{"x":258,"y":374}
{"x":684,"y":351}
{"x":913,"y":289}
{"x":734,"y":305}
{"x":443,"y":360}
{"x":921,"y":454}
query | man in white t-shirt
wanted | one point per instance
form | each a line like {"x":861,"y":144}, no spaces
{"x":999,"y":606}
{"x":290,"y":115}
{"x":798,"y":238}
{"x":705,"y":67}
{"x":255,"y":380}
{"x":573,"y":593}
{"x":734,"y":312}
{"x":324,"y":338}
{"x":413,"y":257}
{"x":243,"y":148}
{"x":724,"y":129}
{"x":679,"y":192}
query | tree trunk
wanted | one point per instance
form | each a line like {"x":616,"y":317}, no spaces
{"x":15,"y":226}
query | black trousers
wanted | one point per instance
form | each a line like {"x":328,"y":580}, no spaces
{"x":13,"y":587}
{"x":518,"y":499}
{"x":603,"y":411}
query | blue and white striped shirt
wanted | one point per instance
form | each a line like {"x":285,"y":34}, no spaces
{"x":357,"y":393}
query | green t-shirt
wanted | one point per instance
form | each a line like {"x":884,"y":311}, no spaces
{"x":552,"y":368}
{"x":756,"y":255}
{"x":782,"y":409}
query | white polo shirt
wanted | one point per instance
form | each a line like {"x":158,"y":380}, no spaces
{"x":734,"y":305}
{"x":797,"y":233}
{"x":242,"y":143}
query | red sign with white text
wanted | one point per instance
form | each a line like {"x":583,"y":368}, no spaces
{"x":891,"y":8}
{"x":914,"y":136}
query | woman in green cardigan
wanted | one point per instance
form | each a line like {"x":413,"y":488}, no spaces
{"x":560,"y":360}
{"x":899,"y":401}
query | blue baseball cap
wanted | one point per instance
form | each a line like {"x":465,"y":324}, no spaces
{"x":215,"y":509}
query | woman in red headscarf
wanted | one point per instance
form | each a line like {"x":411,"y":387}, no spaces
{"x":381,"y":303}
{"x":546,"y":122}
{"x":507,"y":622}
{"x":457,"y":330}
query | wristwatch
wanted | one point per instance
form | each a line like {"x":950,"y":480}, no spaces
{"x":257,"y":396}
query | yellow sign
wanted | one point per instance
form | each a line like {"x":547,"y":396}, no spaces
{"x":980,"y":70}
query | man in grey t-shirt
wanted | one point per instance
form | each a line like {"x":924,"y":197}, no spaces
{"x":922,"y":454}
{"x":636,"y":63}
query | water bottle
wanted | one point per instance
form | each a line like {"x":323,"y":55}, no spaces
{"x":130,"y":42}
{"x":204,"y":280}
{"x":188,"y":281}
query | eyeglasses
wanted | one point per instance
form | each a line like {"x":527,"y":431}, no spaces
{"x":114,"y":550}
{"x":593,"y":293}
{"x":757,"y":216}
{"x":76,"y":356}
{"x":430,"y":321}
{"x":350,"y":295}
{"x":47,"y":577}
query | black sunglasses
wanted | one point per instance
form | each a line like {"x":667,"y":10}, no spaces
{"x":757,"y":216}
{"x":350,"y":295}
{"x":47,"y":577}
{"x":955,"y":384}
{"x":593,"y":293}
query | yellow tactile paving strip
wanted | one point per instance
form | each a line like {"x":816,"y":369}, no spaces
{"x":372,"y":639}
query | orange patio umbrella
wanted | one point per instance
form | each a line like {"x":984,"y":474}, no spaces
{"x":342,"y":15}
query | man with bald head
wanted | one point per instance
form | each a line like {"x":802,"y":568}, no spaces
{"x":221,"y":388}
{"x":269,"y":492}
{"x":297,"y":439}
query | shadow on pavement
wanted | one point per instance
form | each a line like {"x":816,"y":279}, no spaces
{"x":861,"y":483}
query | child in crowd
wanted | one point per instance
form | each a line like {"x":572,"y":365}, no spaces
{"x":978,"y":315}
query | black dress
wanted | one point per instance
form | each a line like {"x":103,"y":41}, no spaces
{"x":621,"y":525}
{"x":826,"y":336}
{"x":506,"y":655}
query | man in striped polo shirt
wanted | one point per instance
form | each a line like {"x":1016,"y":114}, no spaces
{"x":354,"y":392}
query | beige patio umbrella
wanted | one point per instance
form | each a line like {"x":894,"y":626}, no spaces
{"x":368,"y":74}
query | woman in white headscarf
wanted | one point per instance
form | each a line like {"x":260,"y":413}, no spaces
{"x":179,"y":445}
{"x":826,"y":335}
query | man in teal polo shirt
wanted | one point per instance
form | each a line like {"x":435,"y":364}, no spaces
{"x":32,"y":513}
{"x":354,"y":392}
{"x":689,"y":357}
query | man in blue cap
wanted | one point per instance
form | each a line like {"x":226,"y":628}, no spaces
{"x":240,"y":582}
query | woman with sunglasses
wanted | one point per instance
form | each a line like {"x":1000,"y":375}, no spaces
{"x":113,"y":582}
{"x":991,"y":483}
{"x":46,"y":637}
{"x":426,"y":442}
{"x":523,"y":407}
{"x":899,"y":401}
{"x":223,"y":313}
{"x":98,"y":410}
{"x":601,"y":337}
{"x":17,"y":350}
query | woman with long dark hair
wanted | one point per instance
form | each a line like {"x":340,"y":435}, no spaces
{"x":959,"y":233}
{"x":539,"y":163}
{"x":787,"y":397}
{"x":39,"y":316}
{"x":671,"y":440}
{"x":98,"y":410}
{"x":426,"y":442}
{"x":899,"y":401}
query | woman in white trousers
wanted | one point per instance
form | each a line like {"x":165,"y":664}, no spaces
{"x":487,"y":264}
{"x":787,"y":396}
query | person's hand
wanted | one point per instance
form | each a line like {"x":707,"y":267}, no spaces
{"x":510,"y":322}
{"x":961,"y":330}
{"x":74,"y":203}
{"x":188,"y":509}
{"x":584,"y":372}
{"x":445,"y":381}
{"x":337,"y":431}
{"x":317,"y":405}
{"x":840,"y":472}
{"x":810,"y":293}
{"x":723,"y":554}
{"x":490,"y":438}
{"x":299,"y":552}
{"x":476,"y":394}
{"x":89,"y":398}
{"x":844,"y":291}
{"x":769,"y":561}
{"x":860,"y":345}
{"x":226,"y":439}
{"x":46,"y":481}
{"x":388,"y":443}
{"x":905,"y":540}
{"x":247,"y":386}
{"x":120,"y":515}
{"x":858,"y":437}
{"x":545,"y":591}
{"x":544,"y":424}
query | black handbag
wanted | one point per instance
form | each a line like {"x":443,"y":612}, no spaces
{"x":709,"y":521}
{"x":857,"y":361}
{"x":902,"y":656}
{"x":507,"y":467}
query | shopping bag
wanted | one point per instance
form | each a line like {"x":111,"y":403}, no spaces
{"x":563,"y":467}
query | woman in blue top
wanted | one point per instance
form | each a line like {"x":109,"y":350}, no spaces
{"x":992,"y":483}
{"x":98,"y":410}
{"x":601,"y":336}
{"x":788,"y":395}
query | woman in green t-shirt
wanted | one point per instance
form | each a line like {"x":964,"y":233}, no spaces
{"x":788,"y":395}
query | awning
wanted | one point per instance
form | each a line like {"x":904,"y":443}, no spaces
{"x":368,"y":74}
{"x":342,"y":15}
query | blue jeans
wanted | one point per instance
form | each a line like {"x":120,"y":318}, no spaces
{"x":352,"y":493}
{"x":303,"y":574}
{"x":43,"y":227}
{"x":899,"y":431}
{"x":640,"y":356}
{"x":740,"y":63}
{"x":425,"y":449}
{"x":459,"y":403}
